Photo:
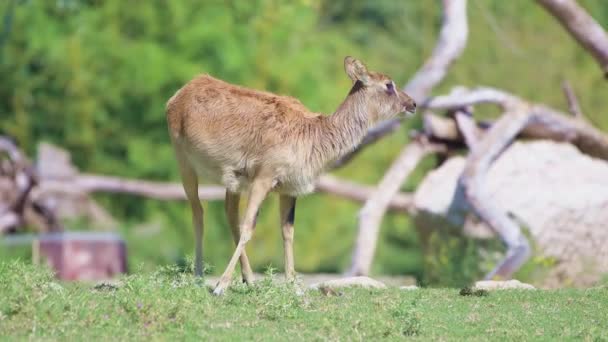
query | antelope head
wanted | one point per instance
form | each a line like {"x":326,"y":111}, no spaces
{"x":382,"y":98}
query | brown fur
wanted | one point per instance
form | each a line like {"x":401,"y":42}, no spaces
{"x":256,"y":142}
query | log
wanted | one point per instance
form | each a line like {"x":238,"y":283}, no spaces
{"x":450,"y":45}
{"x":521,"y":118}
{"x":58,"y":182}
{"x":582,"y":27}
{"x":558,"y":193}
{"x":543,"y":122}
{"x":473,"y":179}
{"x":167,"y":191}
{"x":370,"y":216}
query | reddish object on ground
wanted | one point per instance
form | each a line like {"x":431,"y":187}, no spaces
{"x":82,"y":256}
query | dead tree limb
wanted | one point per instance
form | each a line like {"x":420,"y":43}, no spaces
{"x":573,"y":105}
{"x":26,"y":186}
{"x":450,"y":44}
{"x":370,"y":216}
{"x":88,"y":183}
{"x":23,"y":179}
{"x":400,"y":202}
{"x":472,"y":180}
{"x":544,"y":122}
{"x":467,"y":127}
{"x":149,"y":189}
{"x":520,"y":119}
{"x":582,"y":27}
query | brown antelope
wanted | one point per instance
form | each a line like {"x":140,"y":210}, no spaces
{"x":257,"y":142}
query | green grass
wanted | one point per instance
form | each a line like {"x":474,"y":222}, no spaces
{"x":169,"y":305}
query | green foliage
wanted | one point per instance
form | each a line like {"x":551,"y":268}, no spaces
{"x":170,"y":304}
{"x":93,"y":76}
{"x":407,"y":314}
{"x":452,"y":260}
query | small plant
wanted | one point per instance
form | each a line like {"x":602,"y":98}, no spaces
{"x":275,"y":299}
{"x":467,"y":291}
{"x":408,"y":318}
{"x":105,"y":287}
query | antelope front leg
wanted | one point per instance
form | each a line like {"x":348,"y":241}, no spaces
{"x":232,"y":214}
{"x":259,"y":190}
{"x":288,"y":209}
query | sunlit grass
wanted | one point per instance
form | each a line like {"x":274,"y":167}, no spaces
{"x":170,"y":304}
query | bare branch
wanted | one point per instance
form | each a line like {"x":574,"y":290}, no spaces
{"x":174,"y":191}
{"x":30,"y":188}
{"x":545,"y":122}
{"x":573,"y":105}
{"x":8,"y":146}
{"x":370,"y":216}
{"x":333,"y":186}
{"x":156,"y":190}
{"x":472,"y":180}
{"x":8,"y":220}
{"x":450,"y":45}
{"x":461,"y":97}
{"x":467,"y":128}
{"x":582,"y":27}
{"x":520,"y":119}
{"x":440,"y":128}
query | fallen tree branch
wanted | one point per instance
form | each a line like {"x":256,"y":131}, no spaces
{"x":34,"y":186}
{"x":582,"y":27}
{"x":89,"y":183}
{"x":20,"y":180}
{"x":450,"y":44}
{"x":520,"y":119}
{"x":370,"y":216}
{"x":461,"y":97}
{"x":544,"y":122}
{"x":467,"y":128}
{"x":472,"y":181}
{"x":9,"y":219}
{"x":400,"y":202}
{"x":573,"y":104}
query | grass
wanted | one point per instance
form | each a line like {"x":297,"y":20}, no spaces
{"x":170,"y":304}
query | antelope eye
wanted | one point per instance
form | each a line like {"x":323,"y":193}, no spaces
{"x":390,"y":88}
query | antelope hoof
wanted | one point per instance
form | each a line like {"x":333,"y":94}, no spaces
{"x":221,"y":286}
{"x":219,"y":290}
{"x":248,"y":281}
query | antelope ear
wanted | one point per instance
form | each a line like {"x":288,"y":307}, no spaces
{"x":356,"y":70}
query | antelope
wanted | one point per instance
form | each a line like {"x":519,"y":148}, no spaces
{"x":256,"y":142}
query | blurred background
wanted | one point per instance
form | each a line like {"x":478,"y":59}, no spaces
{"x":93,"y":77}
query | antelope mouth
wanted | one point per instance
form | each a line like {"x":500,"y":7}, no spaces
{"x":409,"y":111}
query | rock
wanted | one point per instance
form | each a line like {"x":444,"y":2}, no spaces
{"x":552,"y":189}
{"x":409,"y":287}
{"x":334,"y":284}
{"x":489,"y":285}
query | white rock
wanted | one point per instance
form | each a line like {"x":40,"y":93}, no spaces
{"x":554,"y":190}
{"x":365,"y":282}
{"x":502,"y":285}
{"x":409,"y":287}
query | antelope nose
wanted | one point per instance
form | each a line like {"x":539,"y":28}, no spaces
{"x":410,"y":106}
